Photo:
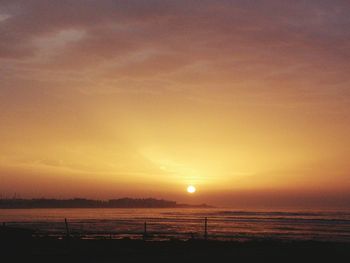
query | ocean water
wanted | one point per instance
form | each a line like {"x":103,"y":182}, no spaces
{"x":163,"y":224}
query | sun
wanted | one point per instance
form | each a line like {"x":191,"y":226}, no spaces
{"x":191,"y":189}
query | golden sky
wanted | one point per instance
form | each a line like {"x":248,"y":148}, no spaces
{"x":246,"y":100}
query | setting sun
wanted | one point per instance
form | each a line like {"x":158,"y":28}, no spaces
{"x":191,"y":189}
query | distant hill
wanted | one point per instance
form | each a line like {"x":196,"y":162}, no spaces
{"x":89,"y":203}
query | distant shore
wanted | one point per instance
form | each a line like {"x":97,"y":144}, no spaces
{"x":90,"y":203}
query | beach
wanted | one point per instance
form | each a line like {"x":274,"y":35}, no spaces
{"x":162,"y":224}
{"x":173,"y":235}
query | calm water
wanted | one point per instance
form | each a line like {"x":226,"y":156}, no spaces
{"x":184,"y":223}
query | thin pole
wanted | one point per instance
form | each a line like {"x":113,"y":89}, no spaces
{"x":67,"y":228}
{"x":205,"y":228}
{"x":145,"y":230}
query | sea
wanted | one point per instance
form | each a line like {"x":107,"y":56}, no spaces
{"x":182,"y":224}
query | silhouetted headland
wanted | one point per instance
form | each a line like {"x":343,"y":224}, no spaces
{"x":89,"y":203}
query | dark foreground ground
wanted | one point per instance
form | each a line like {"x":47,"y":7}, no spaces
{"x":19,"y":245}
{"x":50,"y":250}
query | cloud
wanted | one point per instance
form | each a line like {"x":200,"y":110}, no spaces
{"x":117,"y":27}
{"x":295,"y":51}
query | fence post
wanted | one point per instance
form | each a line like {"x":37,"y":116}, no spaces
{"x":145,"y":230}
{"x":67,"y":227}
{"x":206,"y":228}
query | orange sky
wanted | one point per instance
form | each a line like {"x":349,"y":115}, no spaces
{"x":246,"y":100}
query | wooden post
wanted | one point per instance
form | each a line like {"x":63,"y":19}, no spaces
{"x":145,"y":230}
{"x":67,"y":228}
{"x":206,"y":228}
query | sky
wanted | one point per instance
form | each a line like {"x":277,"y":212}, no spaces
{"x":249,"y":101}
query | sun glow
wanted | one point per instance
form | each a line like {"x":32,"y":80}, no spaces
{"x":191,"y":189}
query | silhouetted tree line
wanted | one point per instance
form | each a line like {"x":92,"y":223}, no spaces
{"x":88,"y":203}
